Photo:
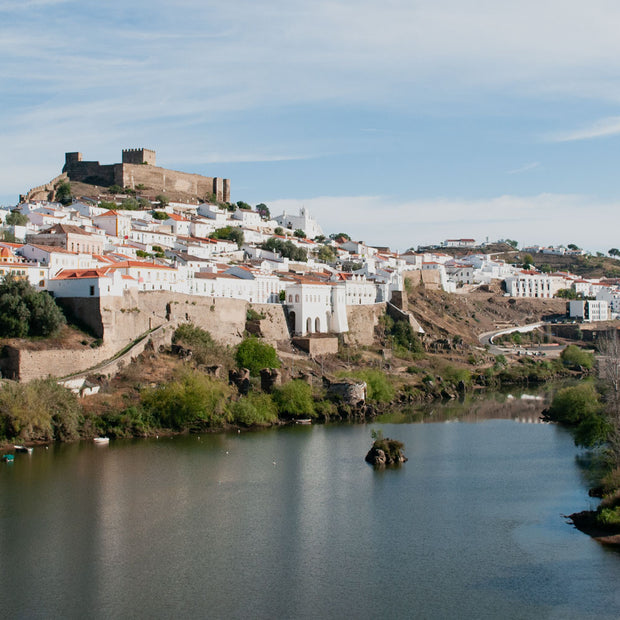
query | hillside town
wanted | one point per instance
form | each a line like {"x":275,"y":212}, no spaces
{"x":96,"y":248}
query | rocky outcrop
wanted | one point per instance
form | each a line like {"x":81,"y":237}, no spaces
{"x":385,"y":452}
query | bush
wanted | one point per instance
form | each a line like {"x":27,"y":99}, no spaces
{"x":39,"y":410}
{"x":576,"y":358}
{"x":294,"y":399}
{"x":26,"y":312}
{"x":255,"y":410}
{"x":204,"y":349}
{"x":579,"y":407}
{"x":160,"y":215}
{"x":255,"y":355}
{"x":193,"y":399}
{"x":379,"y":388}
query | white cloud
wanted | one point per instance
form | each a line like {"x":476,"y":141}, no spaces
{"x":525,"y":168}
{"x":600,"y":129}
{"x":543,"y":218}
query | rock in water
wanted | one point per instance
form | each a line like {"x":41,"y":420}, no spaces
{"x":386,"y":452}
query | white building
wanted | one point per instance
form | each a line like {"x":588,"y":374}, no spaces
{"x":534,"y":284}
{"x":589,"y":310}
{"x":316,"y":307}
{"x":303,"y":221}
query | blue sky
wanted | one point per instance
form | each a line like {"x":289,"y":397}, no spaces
{"x":402,"y":122}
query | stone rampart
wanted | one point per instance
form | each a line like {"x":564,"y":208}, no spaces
{"x":171,"y":180}
{"x":26,"y":365}
{"x":362,"y":322}
{"x":43,"y":192}
{"x":318,"y":345}
{"x":273,"y":328}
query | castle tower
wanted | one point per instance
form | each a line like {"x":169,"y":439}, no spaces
{"x":139,"y":156}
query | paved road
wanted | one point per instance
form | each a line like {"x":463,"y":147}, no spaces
{"x":543,"y":349}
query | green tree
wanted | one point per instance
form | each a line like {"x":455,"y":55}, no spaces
{"x":326,"y":253}
{"x":579,"y":407}
{"x":512,"y":243}
{"x":26,"y":312}
{"x":15,"y":218}
{"x":255,"y":355}
{"x":163,"y":200}
{"x":231,"y":233}
{"x":566,"y":293}
{"x":160,"y":215}
{"x":130,"y":204}
{"x":286,"y":249}
{"x":575,"y":357}
{"x":614,"y":252}
{"x":340,"y":237}
{"x":243,"y":205}
{"x":108,"y":204}
{"x":63,"y":193}
{"x":299,"y":233}
{"x":278,"y":231}
{"x":572,"y":246}
{"x":528,"y":261}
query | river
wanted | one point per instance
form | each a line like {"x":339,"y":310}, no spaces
{"x":291,"y":523}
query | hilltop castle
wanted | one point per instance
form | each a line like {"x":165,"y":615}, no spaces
{"x":137,"y":168}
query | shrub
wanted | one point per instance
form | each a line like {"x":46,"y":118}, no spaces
{"x":255,"y":410}
{"x":579,"y":408}
{"x":456,"y":375}
{"x":192,"y":399}
{"x":39,"y":410}
{"x":204,"y":349}
{"x":294,"y":399}
{"x":255,"y":355}
{"x":575,"y":357}
{"x":160,"y":215}
{"x":379,"y":387}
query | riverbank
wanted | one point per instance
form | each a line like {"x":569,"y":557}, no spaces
{"x":587,"y":522}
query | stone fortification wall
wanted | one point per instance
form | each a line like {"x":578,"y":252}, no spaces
{"x":273,"y":328}
{"x":315,"y":346}
{"x":362,"y":322}
{"x":89,"y":171}
{"x":430,"y":278}
{"x":24,"y":365}
{"x":120,"y":320}
{"x":171,"y":180}
{"x":43,"y":192}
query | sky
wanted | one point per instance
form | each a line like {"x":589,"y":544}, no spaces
{"x":400,"y":122}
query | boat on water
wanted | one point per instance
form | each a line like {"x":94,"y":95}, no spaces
{"x":101,"y":440}
{"x":23,"y":449}
{"x":303,"y":421}
{"x":8,"y":458}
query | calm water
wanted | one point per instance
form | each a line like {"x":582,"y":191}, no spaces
{"x":293,"y":524}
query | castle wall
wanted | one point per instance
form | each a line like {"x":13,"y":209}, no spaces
{"x":362,"y":322}
{"x":44,"y":192}
{"x":25,"y":365}
{"x":139,"y":167}
{"x":172,"y":180}
{"x":273,"y":328}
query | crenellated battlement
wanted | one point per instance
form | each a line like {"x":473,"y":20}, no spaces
{"x":138,"y":156}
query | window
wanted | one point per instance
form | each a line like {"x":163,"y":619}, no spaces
{"x":92,"y":291}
